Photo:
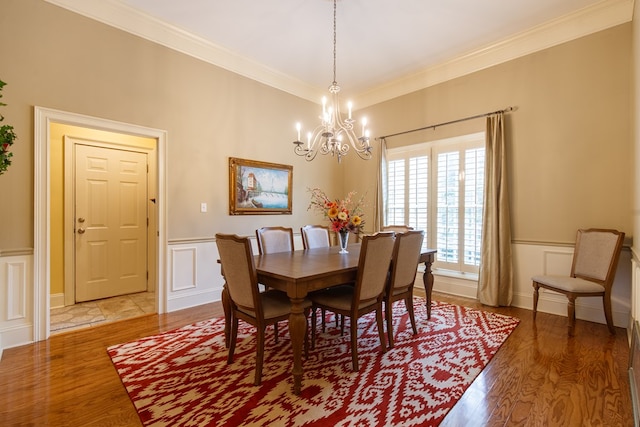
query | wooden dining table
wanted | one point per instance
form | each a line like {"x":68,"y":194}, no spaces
{"x":299,"y":272}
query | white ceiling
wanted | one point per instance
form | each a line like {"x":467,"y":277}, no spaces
{"x":384,"y":47}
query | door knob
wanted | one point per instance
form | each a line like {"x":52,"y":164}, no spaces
{"x":81,"y":230}
{"x":80,"y":219}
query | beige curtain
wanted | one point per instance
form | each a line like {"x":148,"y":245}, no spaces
{"x":381,"y":190}
{"x":495,"y":281}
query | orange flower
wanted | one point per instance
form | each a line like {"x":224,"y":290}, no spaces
{"x":343,"y":214}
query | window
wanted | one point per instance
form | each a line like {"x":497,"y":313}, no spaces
{"x":438,"y":187}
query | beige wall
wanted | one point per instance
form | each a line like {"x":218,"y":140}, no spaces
{"x":570,"y":145}
{"x":635,"y":108}
{"x":60,"y":60}
{"x":570,"y":138}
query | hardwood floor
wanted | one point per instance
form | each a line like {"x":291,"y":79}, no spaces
{"x":540,"y":376}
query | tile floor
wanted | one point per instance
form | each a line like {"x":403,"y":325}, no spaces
{"x":94,"y":313}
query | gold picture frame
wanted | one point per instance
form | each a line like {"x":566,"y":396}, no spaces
{"x":259,"y":188}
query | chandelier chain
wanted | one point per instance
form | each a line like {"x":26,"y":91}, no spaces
{"x":334,"y":42}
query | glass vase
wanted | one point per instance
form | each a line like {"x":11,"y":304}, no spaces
{"x":344,"y":239}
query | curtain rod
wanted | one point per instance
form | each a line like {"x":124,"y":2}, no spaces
{"x":506,"y":110}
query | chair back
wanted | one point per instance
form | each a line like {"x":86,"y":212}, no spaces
{"x":596,"y":255}
{"x":406,"y":256}
{"x":373,"y":266}
{"x":239,"y":271}
{"x":274,"y":239}
{"x":315,"y":236}
{"x":397,"y":228}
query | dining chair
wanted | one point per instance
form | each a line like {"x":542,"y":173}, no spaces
{"x":593,"y":269}
{"x":404,"y":267}
{"x":274,"y":239}
{"x":367,"y":294}
{"x":397,"y":228}
{"x":259,"y":309}
{"x":319,"y":236}
{"x":315,"y":236}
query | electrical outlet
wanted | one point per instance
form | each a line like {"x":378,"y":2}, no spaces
{"x":203,"y":207}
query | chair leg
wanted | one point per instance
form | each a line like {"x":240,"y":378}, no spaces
{"x":275,"y":332}
{"x":323,"y":312}
{"x":535,"y":299}
{"x":606,"y":302}
{"x":389,"y":311}
{"x":571,"y":313}
{"x":383,"y":342}
{"x":313,"y":327}
{"x":412,"y":317}
{"x":233,"y":335}
{"x":354,"y":344}
{"x":306,"y":333}
{"x":259,"y":355}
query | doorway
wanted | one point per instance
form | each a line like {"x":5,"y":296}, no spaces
{"x":45,"y":225}
{"x":108,"y":212}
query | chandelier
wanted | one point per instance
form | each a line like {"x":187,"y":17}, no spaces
{"x":334,"y":135}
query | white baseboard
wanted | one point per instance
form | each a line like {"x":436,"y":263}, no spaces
{"x":455,"y":286}
{"x":56,"y":300}
{"x":193,"y":299}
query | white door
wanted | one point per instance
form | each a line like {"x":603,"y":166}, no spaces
{"x":110,"y":222}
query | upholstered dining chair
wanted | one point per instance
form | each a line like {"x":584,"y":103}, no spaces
{"x":274,"y":239}
{"x":404,"y":267}
{"x":595,"y":260}
{"x":367,"y":294}
{"x":259,"y":309}
{"x":318,"y":236}
{"x":315,"y":236}
{"x":397,"y":228}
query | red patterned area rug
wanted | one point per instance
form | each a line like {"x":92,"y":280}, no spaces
{"x":181,"y":377}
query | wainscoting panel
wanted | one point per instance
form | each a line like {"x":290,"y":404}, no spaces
{"x":635,"y":300}
{"x":193,"y":274}
{"x":16,"y":289}
{"x":535,"y":259}
{"x":530,"y":259}
{"x":16,"y":300}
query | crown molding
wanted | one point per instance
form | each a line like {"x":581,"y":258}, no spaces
{"x":598,"y":17}
{"x":131,"y":20}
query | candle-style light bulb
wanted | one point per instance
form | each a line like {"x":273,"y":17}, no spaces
{"x":349,"y":106}
{"x":364,"y":125}
{"x":308,"y":140}
{"x":298,"y":127}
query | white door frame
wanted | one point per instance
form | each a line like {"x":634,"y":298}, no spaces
{"x":43,"y":117}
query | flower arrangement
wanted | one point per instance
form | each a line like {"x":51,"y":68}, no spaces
{"x":344,"y":215}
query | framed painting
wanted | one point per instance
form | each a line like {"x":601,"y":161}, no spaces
{"x":257,"y":188}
